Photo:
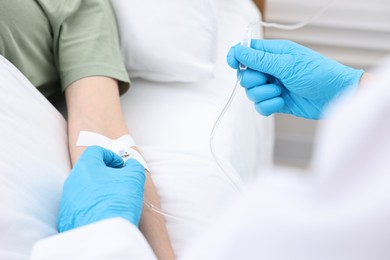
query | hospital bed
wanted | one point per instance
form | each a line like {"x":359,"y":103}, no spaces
{"x":169,"y":116}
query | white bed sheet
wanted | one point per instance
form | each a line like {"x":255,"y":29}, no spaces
{"x":34,"y":162}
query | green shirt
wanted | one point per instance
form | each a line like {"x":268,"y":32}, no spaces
{"x":56,"y":42}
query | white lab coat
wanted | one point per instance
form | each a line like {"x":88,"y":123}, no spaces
{"x":340,"y":210}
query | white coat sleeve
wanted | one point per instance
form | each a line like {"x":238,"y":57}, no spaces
{"x":108,"y":239}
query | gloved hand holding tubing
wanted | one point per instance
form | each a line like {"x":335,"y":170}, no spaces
{"x":101,"y":186}
{"x":285,"y":77}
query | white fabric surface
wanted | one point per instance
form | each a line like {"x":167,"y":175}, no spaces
{"x":34,"y":163}
{"x":171,"y":123}
{"x":168,"y":40}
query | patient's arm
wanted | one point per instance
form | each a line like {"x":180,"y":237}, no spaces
{"x":93,"y":104}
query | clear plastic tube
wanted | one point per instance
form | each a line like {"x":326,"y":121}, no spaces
{"x":161,"y":212}
{"x":292,"y":27}
{"x":215,"y":127}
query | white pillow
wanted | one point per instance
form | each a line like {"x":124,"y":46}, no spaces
{"x":34,"y":163}
{"x":168,"y":41}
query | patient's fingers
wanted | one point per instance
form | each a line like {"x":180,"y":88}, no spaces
{"x":263,"y":92}
{"x":251,"y":78}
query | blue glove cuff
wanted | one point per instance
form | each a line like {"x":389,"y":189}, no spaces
{"x":353,"y":79}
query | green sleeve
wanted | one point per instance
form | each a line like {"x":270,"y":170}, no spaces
{"x":85,"y":40}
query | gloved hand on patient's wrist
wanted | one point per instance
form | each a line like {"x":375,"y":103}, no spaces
{"x":101,"y":186}
{"x":285,"y":77}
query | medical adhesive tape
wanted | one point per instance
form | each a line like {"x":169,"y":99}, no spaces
{"x":121,"y":146}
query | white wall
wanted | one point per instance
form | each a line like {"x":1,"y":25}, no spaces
{"x":354,"y":32}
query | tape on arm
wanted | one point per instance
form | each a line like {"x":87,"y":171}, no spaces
{"x":121,"y":146}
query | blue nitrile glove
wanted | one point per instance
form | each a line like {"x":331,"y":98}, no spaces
{"x":285,"y":77}
{"x":100,"y":187}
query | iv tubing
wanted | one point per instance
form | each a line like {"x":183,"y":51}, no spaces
{"x":216,"y":124}
{"x":211,"y":144}
{"x":160,"y":211}
{"x":243,"y":67}
{"x":291,"y":27}
{"x":230,"y":100}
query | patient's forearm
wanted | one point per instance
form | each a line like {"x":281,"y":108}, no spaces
{"x":94,"y":105}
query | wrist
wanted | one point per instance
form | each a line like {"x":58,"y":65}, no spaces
{"x":366,"y":77}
